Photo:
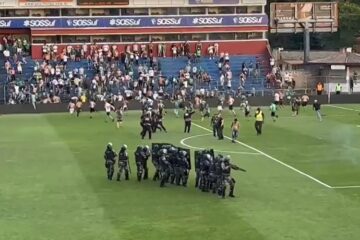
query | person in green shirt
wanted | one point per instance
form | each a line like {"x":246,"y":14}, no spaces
{"x":338,"y":89}
{"x":273,"y":110}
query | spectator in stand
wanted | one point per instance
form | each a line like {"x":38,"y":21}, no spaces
{"x":351,"y":85}
{"x":174,"y":50}
{"x":216,"y":49}
{"x":211,"y":51}
{"x":198,"y":49}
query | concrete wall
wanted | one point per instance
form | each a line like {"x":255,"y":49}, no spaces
{"x":247,"y":47}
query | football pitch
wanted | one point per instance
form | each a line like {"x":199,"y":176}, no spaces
{"x":302,"y":180}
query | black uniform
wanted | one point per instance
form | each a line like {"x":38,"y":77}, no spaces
{"x":220,"y":128}
{"x":146,"y":124}
{"x":214,"y":124}
{"x":155,"y":160}
{"x":187,"y":119}
{"x":160,"y":124}
{"x":145,"y":156}
{"x":109,"y":157}
{"x":139,"y":163}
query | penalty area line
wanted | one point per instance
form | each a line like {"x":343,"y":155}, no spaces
{"x":182,"y":142}
{"x":343,"y":108}
{"x":345,"y":187}
{"x":271,"y":158}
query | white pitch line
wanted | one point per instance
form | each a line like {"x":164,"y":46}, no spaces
{"x":344,"y":187}
{"x":272,"y":158}
{"x":216,"y":150}
{"x":344,"y":108}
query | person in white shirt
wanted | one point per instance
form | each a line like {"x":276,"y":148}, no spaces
{"x":231,"y":101}
{"x":19,"y":67}
{"x":6,"y":54}
{"x":276,"y":98}
{"x":71,"y":108}
{"x":108,"y":109}
{"x":92,"y":105}
{"x":211,"y":52}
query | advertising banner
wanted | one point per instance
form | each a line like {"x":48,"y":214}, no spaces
{"x":8,"y":3}
{"x":128,"y":22}
{"x":101,"y":2}
{"x":214,"y":1}
{"x":45,"y":3}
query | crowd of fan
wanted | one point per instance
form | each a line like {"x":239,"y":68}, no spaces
{"x":109,"y":72}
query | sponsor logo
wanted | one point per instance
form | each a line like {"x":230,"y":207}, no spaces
{"x":166,"y":21}
{"x":248,"y":20}
{"x":4,"y":23}
{"x":207,"y":21}
{"x":125,"y":22}
{"x":82,"y":23}
{"x":39,"y":23}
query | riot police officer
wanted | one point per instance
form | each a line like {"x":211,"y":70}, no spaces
{"x":226,"y":178}
{"x":146,"y":153}
{"x":204,"y":172}
{"x":109,"y":157}
{"x":155,"y":160}
{"x":164,"y":167}
{"x":172,"y":158}
{"x":123,"y":163}
{"x":139,"y":163}
{"x":182,"y":169}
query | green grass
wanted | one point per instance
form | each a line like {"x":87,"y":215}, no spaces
{"x":53,"y":184}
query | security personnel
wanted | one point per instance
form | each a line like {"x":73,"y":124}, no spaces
{"x":146,"y":124}
{"x":139,"y":163}
{"x":213,"y":123}
{"x":220,"y":127}
{"x":187,"y":118}
{"x":123,"y":163}
{"x":155,"y":160}
{"x":259,"y":120}
{"x":204,"y":172}
{"x":172,"y":158}
{"x":109,"y":157}
{"x":228,"y":180}
{"x":338,"y":88}
{"x":181,"y":169}
{"x":164,"y":167}
{"x":146,"y":153}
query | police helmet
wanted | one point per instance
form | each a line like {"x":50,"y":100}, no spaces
{"x":183,"y":153}
{"x":163,"y":151}
{"x":147,"y":147}
{"x":227,"y":158}
{"x":110,"y":144}
{"x":124,"y":147}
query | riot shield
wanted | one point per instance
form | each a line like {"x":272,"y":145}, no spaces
{"x":188,"y":156}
